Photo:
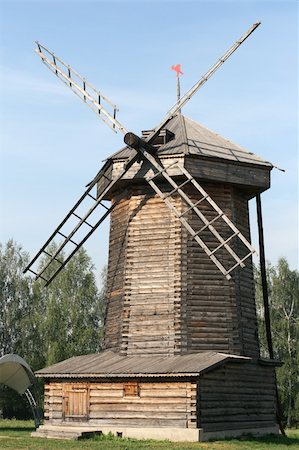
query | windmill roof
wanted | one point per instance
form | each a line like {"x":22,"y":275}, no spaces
{"x":192,"y":138}
{"x":110,"y":364}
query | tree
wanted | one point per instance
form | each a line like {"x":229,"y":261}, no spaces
{"x":15,"y":305}
{"x":15,"y":294}
{"x":72,"y":310}
{"x":47,"y":325}
{"x":283,"y":285}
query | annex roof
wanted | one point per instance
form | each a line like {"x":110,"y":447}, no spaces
{"x":192,"y":138}
{"x":15,"y":373}
{"x":110,"y":364}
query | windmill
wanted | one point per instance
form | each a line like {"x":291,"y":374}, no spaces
{"x":105,"y":110}
{"x":181,"y":355}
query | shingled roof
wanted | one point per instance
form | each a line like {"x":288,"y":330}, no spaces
{"x":110,"y":364}
{"x":191,"y":138}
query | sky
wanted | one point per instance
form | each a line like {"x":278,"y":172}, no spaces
{"x":52,"y":145}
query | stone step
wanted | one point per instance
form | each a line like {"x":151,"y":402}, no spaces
{"x":57,"y":434}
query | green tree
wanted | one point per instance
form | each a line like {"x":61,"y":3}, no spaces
{"x":72,"y":310}
{"x":46,"y":325}
{"x":283,"y":284}
{"x":16,"y":330}
{"x":15,"y":295}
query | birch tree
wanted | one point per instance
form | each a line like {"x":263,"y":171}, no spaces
{"x":283,"y":285}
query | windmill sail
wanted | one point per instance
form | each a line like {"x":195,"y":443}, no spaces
{"x":94,"y":99}
{"x":77,"y":226}
{"x":189,"y":94}
{"x":207,"y":223}
{"x":83,"y":213}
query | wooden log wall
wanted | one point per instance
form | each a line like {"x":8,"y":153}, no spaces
{"x":53,"y":399}
{"x":212,"y":321}
{"x":165,"y":295}
{"x":144,"y":276}
{"x":237,"y":396}
{"x":115,"y":277}
{"x":220,"y":313}
{"x":157,"y":403}
{"x":152,"y":277}
{"x":256,"y":177}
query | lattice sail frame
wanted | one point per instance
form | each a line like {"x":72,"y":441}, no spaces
{"x":93,"y":98}
{"x":178,"y":189}
{"x":106,"y":110}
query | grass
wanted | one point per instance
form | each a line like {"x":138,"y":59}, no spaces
{"x":15,"y":435}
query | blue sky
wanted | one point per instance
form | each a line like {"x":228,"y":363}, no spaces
{"x":52,"y":144}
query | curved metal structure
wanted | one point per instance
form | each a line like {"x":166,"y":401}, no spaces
{"x":17,"y":374}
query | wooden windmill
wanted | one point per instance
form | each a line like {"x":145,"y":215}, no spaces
{"x":181,"y":356}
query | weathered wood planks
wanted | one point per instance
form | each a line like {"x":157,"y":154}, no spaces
{"x":164,"y":293}
{"x":158,"y":403}
{"x":233,"y":397}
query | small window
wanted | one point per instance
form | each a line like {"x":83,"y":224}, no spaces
{"x":131,"y":388}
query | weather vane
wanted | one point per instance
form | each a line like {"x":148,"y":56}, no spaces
{"x":178,"y":71}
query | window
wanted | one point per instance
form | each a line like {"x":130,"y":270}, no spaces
{"x":131,"y":389}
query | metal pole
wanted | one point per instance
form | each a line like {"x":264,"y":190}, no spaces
{"x":178,"y":88}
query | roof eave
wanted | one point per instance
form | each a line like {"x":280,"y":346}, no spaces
{"x":214,"y":365}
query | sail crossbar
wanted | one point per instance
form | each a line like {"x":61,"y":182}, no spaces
{"x":189,"y":94}
{"x":94,"y":99}
{"x":208,"y":224}
{"x":81,"y":213}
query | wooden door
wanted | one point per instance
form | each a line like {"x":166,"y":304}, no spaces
{"x":76,"y":402}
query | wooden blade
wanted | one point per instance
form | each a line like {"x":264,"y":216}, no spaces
{"x":81,"y":213}
{"x":185,"y":99}
{"x":94,"y":99}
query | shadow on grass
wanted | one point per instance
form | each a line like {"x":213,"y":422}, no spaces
{"x":269,"y":439}
{"x":24,"y":429}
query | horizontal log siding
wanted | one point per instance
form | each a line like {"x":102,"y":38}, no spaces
{"x":159,"y":404}
{"x":220,"y":313}
{"x":255,"y":178}
{"x":212,"y":313}
{"x":165,"y":295}
{"x":237,"y":397}
{"x":152,"y":277}
{"x":115,"y":275}
{"x":53,"y":398}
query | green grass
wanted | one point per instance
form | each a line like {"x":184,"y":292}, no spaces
{"x":15,"y":435}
